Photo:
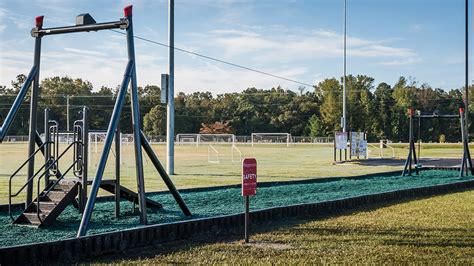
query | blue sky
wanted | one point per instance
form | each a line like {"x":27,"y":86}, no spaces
{"x":298,"y":39}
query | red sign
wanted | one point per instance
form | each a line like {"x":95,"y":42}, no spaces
{"x":249,"y":177}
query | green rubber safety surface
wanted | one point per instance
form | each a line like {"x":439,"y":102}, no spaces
{"x":215,"y":202}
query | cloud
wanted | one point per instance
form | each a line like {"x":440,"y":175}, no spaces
{"x":3,"y":14}
{"x":416,"y":27}
{"x":218,"y":79}
{"x":84,"y":52}
{"x":289,"y":45}
{"x":401,"y":62}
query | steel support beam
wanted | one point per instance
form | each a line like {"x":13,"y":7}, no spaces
{"x":114,"y":120}
{"x":33,"y":117}
{"x":136,"y":121}
{"x":17,"y":103}
{"x":156,"y":162}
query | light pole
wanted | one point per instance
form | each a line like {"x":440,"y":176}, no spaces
{"x":344,"y":129}
{"x":170,"y":106}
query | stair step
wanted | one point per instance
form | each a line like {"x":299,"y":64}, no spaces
{"x":65,"y":186}
{"x":46,"y":206}
{"x":56,"y":195}
{"x":33,"y":217}
{"x":51,"y":205}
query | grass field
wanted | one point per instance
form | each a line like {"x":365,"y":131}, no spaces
{"x":436,"y":230}
{"x":275,"y":163}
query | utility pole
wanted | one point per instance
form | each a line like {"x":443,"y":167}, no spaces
{"x":170,"y":105}
{"x":344,"y":118}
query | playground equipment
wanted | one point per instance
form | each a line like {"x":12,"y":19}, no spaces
{"x":58,"y":194}
{"x":466,"y":163}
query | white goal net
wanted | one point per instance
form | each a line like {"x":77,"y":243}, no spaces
{"x":271,"y":138}
{"x":205,"y":139}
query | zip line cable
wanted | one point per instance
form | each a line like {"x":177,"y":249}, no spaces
{"x":217,"y":60}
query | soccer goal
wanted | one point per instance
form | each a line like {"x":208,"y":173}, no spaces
{"x":216,"y":139}
{"x":205,"y":139}
{"x":212,"y":154}
{"x":187,"y":139}
{"x":97,"y":140}
{"x":271,"y":138}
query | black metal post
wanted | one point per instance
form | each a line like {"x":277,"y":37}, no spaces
{"x":408,"y":162}
{"x":419,"y":136}
{"x":164,"y":175}
{"x":136,"y":121}
{"x":114,"y":120}
{"x":247,"y":218}
{"x":33,"y":113}
{"x":47,"y":149}
{"x":466,"y":89}
{"x":85,"y":157}
{"x":117,"y":171}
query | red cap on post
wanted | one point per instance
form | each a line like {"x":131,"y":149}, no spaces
{"x":128,"y":11}
{"x":411,"y":112}
{"x":39,"y":21}
{"x":461,"y":110}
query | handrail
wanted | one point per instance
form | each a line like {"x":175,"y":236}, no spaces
{"x":54,"y":162}
{"x":27,"y":160}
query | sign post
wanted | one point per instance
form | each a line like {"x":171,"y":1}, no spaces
{"x":249,"y":188}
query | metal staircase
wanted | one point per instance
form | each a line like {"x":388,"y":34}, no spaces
{"x":70,"y":186}
{"x":52,"y":196}
{"x":49,"y":205}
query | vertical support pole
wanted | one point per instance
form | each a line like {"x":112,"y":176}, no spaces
{"x":117,"y":171}
{"x":350,"y":145}
{"x":466,"y":88}
{"x":408,"y":162}
{"x":410,"y":140}
{"x":247,"y":218}
{"x":419,"y":136}
{"x":335,"y":150}
{"x":136,"y":120}
{"x":466,"y":164}
{"x":85,"y":157}
{"x":47,"y":147}
{"x":170,"y":106}
{"x":33,"y":112}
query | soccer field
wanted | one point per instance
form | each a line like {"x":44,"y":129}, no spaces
{"x":197,"y":166}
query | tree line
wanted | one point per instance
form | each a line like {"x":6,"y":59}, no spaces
{"x":379,"y":110}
